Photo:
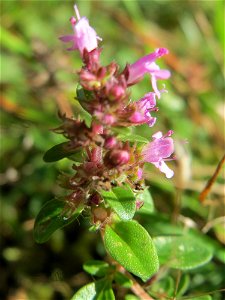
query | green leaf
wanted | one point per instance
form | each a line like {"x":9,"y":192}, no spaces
{"x":130,"y":245}
{"x":132,"y":138}
{"x":182,"y":252}
{"x":60,"y":151}
{"x":80,"y":112}
{"x":122,"y":130}
{"x":216,"y":247}
{"x":123,"y":280}
{"x":54,"y":214}
{"x":165,"y":285}
{"x":98,"y":290}
{"x":183,"y":285}
{"x":121,"y":200}
{"x":96,"y":267}
{"x":203,"y":297}
{"x":131,"y":297}
{"x":83,"y":95}
{"x":148,"y":207}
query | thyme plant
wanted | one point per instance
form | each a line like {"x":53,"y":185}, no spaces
{"x":107,"y":181}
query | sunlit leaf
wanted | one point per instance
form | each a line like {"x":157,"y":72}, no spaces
{"x":130,"y":245}
{"x":121,"y":200}
{"x":98,"y":290}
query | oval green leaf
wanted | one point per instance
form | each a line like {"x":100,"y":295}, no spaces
{"x":58,"y":152}
{"x":121,"y":200}
{"x":54,"y":214}
{"x":96,"y":267}
{"x":130,"y":244}
{"x":182,"y":252}
{"x":98,"y":290}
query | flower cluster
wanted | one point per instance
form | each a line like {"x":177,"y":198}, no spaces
{"x":110,"y":156}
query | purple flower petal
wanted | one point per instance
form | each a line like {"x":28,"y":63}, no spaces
{"x":164,"y":169}
{"x":67,"y":38}
{"x":158,"y":150}
{"x":140,"y":67}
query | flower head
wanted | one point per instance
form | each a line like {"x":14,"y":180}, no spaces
{"x":145,"y":65}
{"x":84,"y":36}
{"x":157,"y":151}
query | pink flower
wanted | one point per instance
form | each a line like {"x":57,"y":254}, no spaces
{"x":143,"y":107}
{"x":84,"y":36}
{"x":145,"y":65}
{"x":157,"y":151}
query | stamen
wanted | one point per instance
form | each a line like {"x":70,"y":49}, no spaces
{"x":169,"y":133}
{"x":77,"y":12}
{"x":154,"y":86}
{"x":170,"y":158}
{"x":153,"y":109}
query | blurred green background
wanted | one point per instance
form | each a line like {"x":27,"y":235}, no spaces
{"x":38,"y":78}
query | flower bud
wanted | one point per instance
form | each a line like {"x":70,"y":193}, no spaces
{"x":108,"y":119}
{"x":139,"y":204}
{"x":110,"y":142}
{"x":95,"y":199}
{"x":100,"y":214}
{"x":117,"y":92}
{"x":97,"y":128}
{"x":117,"y":157}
